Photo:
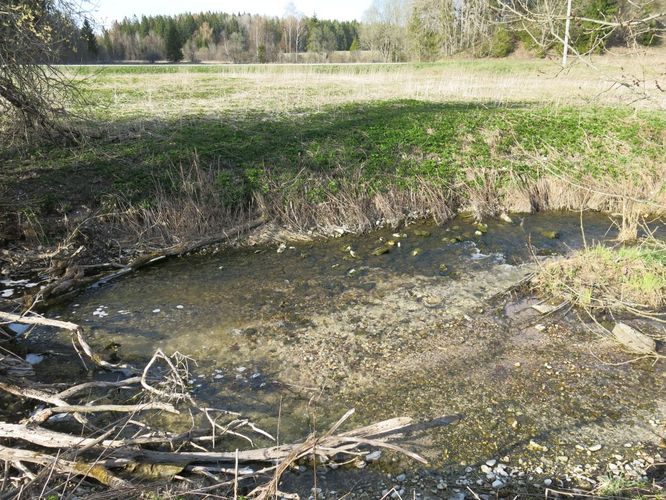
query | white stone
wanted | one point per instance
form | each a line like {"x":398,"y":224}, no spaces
{"x":34,"y":359}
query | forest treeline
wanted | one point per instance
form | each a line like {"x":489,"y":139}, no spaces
{"x":391,"y":30}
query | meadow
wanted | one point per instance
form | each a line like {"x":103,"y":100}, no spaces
{"x":320,"y":146}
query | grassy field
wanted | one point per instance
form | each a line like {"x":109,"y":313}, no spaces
{"x":305,"y":143}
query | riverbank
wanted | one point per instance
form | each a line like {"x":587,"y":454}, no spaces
{"x":182,"y":153}
{"x":402,"y":322}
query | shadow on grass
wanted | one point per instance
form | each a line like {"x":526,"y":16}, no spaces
{"x":378,"y":141}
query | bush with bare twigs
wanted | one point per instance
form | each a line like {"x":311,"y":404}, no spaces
{"x":34,"y":92}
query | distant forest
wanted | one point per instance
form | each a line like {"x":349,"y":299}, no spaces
{"x":391,"y":30}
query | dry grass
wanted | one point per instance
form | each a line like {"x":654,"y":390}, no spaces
{"x":354,"y":206}
{"x":630,"y":195}
{"x":616,"y":280}
{"x":187,"y":207}
{"x":166,"y":92}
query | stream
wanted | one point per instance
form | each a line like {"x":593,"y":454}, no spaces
{"x":408,"y":322}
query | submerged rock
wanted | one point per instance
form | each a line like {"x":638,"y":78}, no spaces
{"x":421,"y":233}
{"x":415,"y":252}
{"x":481,"y":227}
{"x":634,"y":340}
{"x":381,"y":250}
{"x":505,"y":218}
{"x":545,"y":308}
{"x":551,"y":235}
{"x":534,"y":446}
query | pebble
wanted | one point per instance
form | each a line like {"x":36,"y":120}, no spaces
{"x":534,"y":446}
{"x":491,"y":463}
{"x":179,"y":306}
{"x":547,"y":482}
{"x":401,"y":478}
{"x":595,"y":447}
{"x":156,"y":310}
{"x":373,"y":456}
{"x":497,"y":484}
{"x":34,"y":359}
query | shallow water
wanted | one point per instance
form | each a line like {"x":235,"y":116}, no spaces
{"x":245,"y":314}
{"x":293,"y":336}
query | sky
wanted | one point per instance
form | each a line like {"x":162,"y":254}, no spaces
{"x":106,"y":11}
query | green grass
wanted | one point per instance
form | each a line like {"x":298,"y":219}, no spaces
{"x":312,"y":131}
{"x":626,"y":278}
{"x":477,"y":65}
{"x":620,"y":487}
{"x":384,"y":143}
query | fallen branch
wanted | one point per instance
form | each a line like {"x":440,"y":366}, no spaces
{"x":43,"y":415}
{"x":51,"y":439}
{"x":122,"y":450}
{"x":94,"y":471}
{"x":75,"y":279}
{"x":96,"y":385}
{"x":76,"y":330}
{"x":44,"y":397}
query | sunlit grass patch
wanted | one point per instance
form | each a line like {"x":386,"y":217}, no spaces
{"x":621,"y":487}
{"x":623,"y":279}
